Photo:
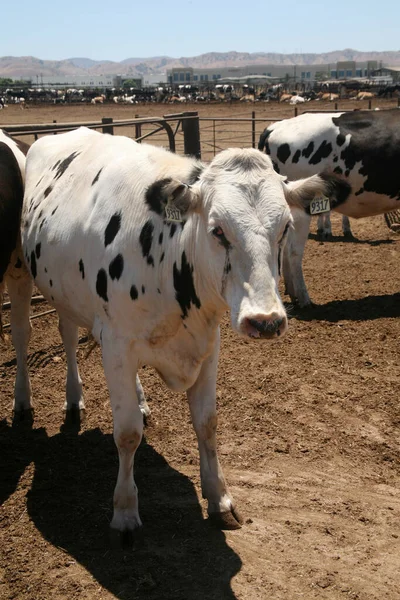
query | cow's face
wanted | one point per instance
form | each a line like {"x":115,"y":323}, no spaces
{"x":247,"y":219}
{"x":245,"y":207}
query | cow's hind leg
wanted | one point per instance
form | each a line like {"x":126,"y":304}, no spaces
{"x":20,"y":292}
{"x":202,"y":402}
{"x":74,"y":406}
{"x":346,"y":228}
{"x":120,"y":368}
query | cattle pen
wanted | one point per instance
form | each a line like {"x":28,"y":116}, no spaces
{"x":308,"y":432}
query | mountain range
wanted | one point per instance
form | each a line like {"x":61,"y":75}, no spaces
{"x":29,"y":67}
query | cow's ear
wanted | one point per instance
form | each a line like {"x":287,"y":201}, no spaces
{"x":171,"y":194}
{"x":301,"y":192}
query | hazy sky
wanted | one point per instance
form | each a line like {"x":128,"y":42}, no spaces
{"x":118,"y":30}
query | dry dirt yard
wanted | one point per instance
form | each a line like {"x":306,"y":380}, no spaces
{"x":309,"y":440}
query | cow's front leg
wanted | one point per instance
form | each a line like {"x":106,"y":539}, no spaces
{"x":20,"y":291}
{"x":74,"y":402}
{"x":346,"y":227}
{"x":120,"y":366}
{"x":293,"y":253}
{"x":202,"y":402}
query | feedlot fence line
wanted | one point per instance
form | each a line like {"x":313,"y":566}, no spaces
{"x":185,"y":133}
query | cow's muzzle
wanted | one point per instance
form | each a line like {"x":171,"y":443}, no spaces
{"x":264,"y":326}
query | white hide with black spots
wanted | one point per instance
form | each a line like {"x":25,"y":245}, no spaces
{"x":361,"y":147}
{"x":153,"y":292}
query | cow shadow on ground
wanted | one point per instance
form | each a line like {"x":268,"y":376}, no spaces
{"x":363,"y":309}
{"x":348,"y":239}
{"x":182,"y":557}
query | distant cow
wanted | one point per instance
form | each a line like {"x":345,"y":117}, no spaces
{"x":13,"y":273}
{"x":362,"y":147}
{"x":148,"y":250}
{"x":98,"y":99}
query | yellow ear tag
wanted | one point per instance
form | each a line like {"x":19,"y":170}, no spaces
{"x":320,"y":205}
{"x":172,"y":213}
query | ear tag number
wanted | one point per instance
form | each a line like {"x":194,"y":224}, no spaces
{"x":173,"y":214}
{"x":319,"y":205}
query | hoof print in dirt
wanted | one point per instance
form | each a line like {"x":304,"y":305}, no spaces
{"x":23,"y":418}
{"x":226,"y":520}
{"x":125,"y":540}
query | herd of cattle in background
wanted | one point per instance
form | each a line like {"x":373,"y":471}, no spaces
{"x":190,"y":93}
{"x":148,"y":249}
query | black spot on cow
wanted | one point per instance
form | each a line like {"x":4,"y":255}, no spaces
{"x":185,"y":292}
{"x":154,"y":196}
{"x":18,"y":264}
{"x":40,"y":215}
{"x":323,"y":151}
{"x":283,"y":152}
{"x":133,"y":292}
{"x":97,"y":176}
{"x":296,"y":156}
{"x":146,"y":238}
{"x":64,"y":164}
{"x":33,"y":265}
{"x":51,"y":282}
{"x":338,"y":170}
{"x":54,"y":210}
{"x":56,"y":165}
{"x":347,"y":172}
{"x":379,"y":160}
{"x":143,"y":289}
{"x":172,"y":230}
{"x":306,"y":152}
{"x":82,"y":268}
{"x":101,"y":284}
{"x":39,"y":182}
{"x":340,"y":140}
{"x":47,"y":191}
{"x":162,"y":257}
{"x":359,"y":192}
{"x":335,"y":159}
{"x":45,"y":269}
{"x":160,"y":238}
{"x":38,"y":250}
{"x":263,"y":143}
{"x":158,"y":290}
{"x":150,"y":260}
{"x":116,"y":267}
{"x":112,"y":229}
{"x":41,"y":224}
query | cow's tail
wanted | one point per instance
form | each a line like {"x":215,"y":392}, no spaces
{"x":263,"y":141}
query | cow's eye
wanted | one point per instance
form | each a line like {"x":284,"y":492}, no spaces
{"x":219,"y":234}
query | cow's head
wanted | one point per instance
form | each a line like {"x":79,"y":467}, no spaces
{"x":245,"y":207}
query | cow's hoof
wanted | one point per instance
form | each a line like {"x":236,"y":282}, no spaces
{"x":24,"y":417}
{"x":229,"y":519}
{"x":126,"y":539}
{"x":348,"y":235}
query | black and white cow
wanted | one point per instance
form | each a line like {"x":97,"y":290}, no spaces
{"x":13,"y":273}
{"x":361,"y":147}
{"x":100,"y":237}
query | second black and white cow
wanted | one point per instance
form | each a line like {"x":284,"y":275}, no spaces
{"x":147,"y":249}
{"x":361,"y":147}
{"x":13,"y":273}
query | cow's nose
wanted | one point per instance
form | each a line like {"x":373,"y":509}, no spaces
{"x":264,"y":326}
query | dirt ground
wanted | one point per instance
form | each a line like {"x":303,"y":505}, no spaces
{"x":309,"y":440}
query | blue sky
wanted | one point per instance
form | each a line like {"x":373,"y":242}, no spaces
{"x":118,"y":30}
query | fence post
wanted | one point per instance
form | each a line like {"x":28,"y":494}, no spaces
{"x":398,"y":101}
{"x":108,"y":129}
{"x":253,"y":129}
{"x":336,"y":105}
{"x":54,"y":121}
{"x":295,"y":111}
{"x":191,"y":134}
{"x":138,"y":128}
{"x":369,"y":104}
